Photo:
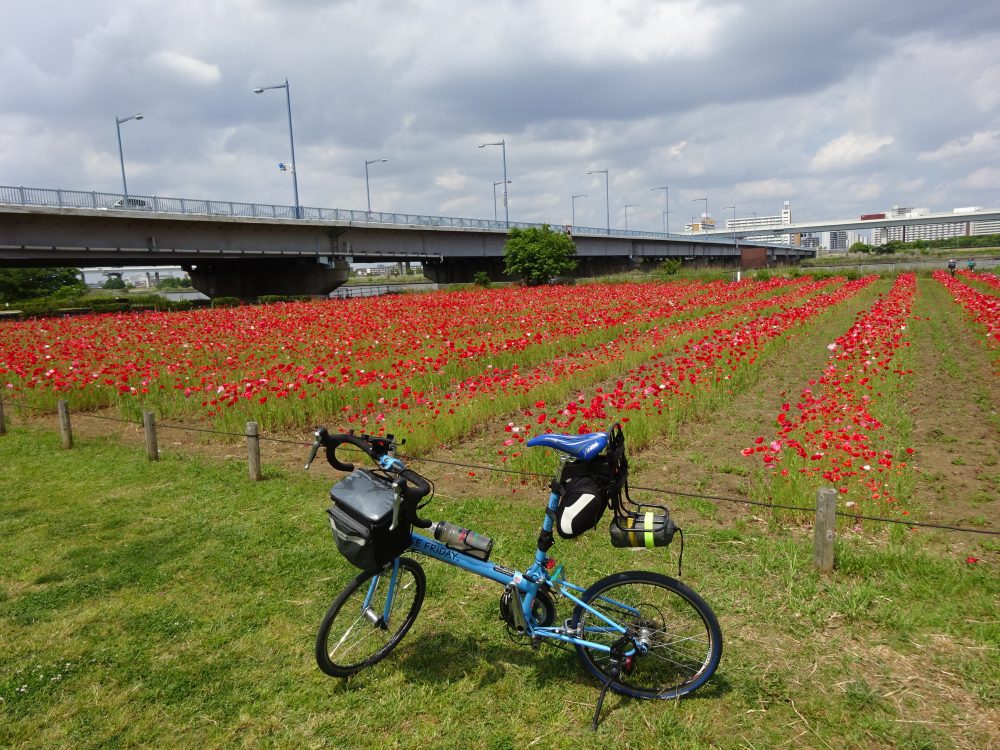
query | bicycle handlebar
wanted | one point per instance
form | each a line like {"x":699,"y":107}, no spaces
{"x":414,"y":487}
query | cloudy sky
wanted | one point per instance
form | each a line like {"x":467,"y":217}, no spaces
{"x":841,"y":107}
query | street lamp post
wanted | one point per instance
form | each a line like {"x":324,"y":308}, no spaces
{"x":627,"y":207}
{"x":291,"y":138}
{"x":735,"y":241}
{"x":573,"y":202}
{"x":368,"y":190}
{"x":607,"y":193}
{"x":121,"y":154}
{"x":498,"y":182}
{"x":666,"y":219}
{"x":695,"y":200}
{"x":502,"y":143}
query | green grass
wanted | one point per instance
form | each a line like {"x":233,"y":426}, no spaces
{"x":174,"y":604}
{"x":942,"y":254}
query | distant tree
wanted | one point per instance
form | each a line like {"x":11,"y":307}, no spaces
{"x":538,"y":255}
{"x":29,"y":283}
{"x":114,"y":282}
{"x":481,"y":278}
{"x":669,"y":267}
{"x":173,"y":282}
{"x":860,"y":247}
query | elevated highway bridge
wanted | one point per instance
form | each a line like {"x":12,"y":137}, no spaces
{"x":248,"y":249}
{"x":802,"y":227}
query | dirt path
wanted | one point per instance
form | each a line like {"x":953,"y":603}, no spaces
{"x":955,"y":408}
{"x":705,"y":457}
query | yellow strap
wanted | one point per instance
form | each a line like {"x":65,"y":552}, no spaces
{"x":630,"y":525}
{"x":647,"y":521}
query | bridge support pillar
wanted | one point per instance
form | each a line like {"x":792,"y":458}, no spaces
{"x":248,"y":279}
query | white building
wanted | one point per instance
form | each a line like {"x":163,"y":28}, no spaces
{"x":137,"y":276}
{"x":704,"y":224}
{"x":942,"y":231}
{"x":756,"y":223}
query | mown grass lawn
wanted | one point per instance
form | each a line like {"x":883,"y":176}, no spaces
{"x":174,"y":604}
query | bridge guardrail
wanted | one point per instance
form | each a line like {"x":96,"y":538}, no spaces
{"x":58,"y":198}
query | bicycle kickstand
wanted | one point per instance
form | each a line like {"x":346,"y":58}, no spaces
{"x":612,"y":675}
{"x":618,"y":650}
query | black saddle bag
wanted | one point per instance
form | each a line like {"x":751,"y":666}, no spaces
{"x":586,"y":488}
{"x":581,"y":504}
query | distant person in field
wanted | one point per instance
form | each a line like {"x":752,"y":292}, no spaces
{"x":971,"y":264}
{"x":952,"y":265}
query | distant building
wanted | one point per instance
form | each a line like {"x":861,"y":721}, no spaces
{"x":756,"y":223}
{"x":835,"y":241}
{"x":840,"y":240}
{"x":984,"y":227}
{"x":135,"y":276}
{"x":704,"y":224}
{"x":941,"y":231}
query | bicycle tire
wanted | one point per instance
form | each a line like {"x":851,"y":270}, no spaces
{"x":353,"y":631}
{"x":682,"y":634}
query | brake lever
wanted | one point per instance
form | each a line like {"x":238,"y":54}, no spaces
{"x":315,"y":449}
{"x":397,"y":501}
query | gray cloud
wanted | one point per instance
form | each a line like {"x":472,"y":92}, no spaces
{"x":841,"y":108}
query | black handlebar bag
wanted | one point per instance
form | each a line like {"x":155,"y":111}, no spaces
{"x":360,"y":518}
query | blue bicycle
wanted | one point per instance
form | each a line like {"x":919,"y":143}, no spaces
{"x":640,"y":633}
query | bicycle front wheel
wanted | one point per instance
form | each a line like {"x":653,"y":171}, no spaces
{"x":672,"y":641}
{"x":369,"y":618}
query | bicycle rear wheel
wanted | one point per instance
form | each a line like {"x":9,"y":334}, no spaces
{"x":675,"y":635}
{"x":360,"y":629}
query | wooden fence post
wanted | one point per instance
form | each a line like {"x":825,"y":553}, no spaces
{"x":3,"y":422}
{"x":64,"y":426}
{"x":825,"y":530}
{"x":149,"y":425}
{"x":253,"y":450}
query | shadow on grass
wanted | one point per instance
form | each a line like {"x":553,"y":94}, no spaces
{"x":444,"y":658}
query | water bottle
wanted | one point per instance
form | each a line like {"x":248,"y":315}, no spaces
{"x":463,"y":540}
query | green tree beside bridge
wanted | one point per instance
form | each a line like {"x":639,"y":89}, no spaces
{"x":538,"y":255}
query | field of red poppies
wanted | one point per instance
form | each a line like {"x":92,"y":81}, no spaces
{"x":436,"y":367}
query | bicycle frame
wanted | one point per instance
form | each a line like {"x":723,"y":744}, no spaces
{"x":614,"y":622}
{"x":527,"y":583}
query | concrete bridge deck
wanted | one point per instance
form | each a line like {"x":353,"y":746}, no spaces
{"x":240,"y":250}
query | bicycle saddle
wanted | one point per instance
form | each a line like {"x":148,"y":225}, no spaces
{"x":583,"y":447}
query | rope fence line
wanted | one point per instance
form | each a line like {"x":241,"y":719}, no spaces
{"x":185,"y":428}
{"x":253,"y":438}
{"x":737,"y":500}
